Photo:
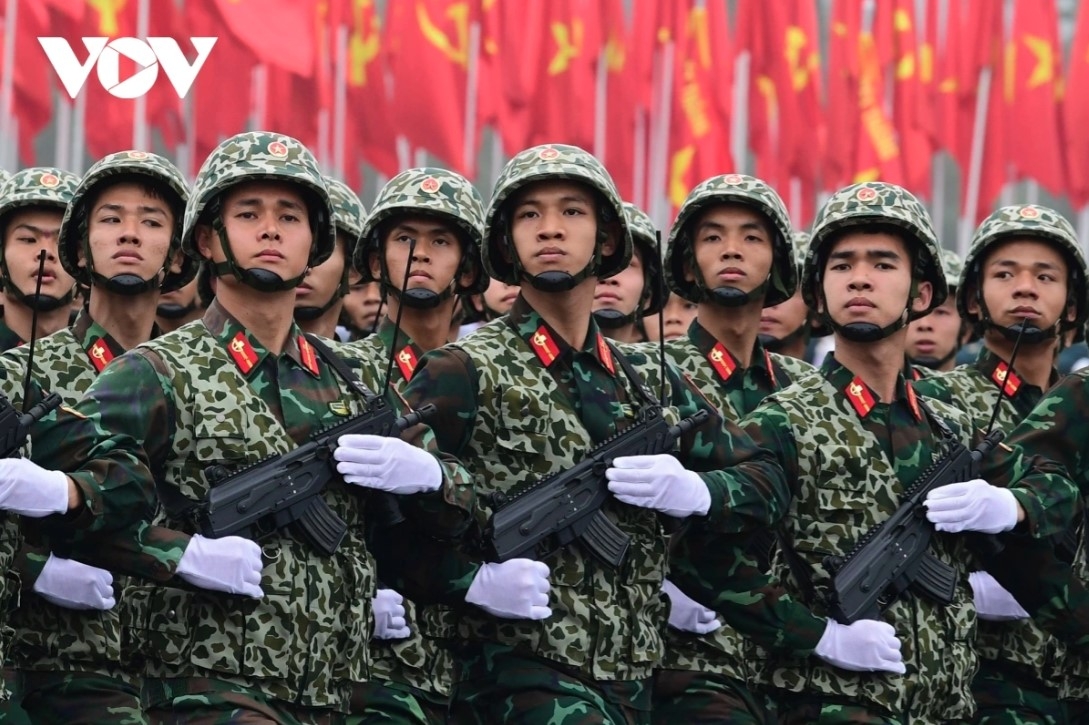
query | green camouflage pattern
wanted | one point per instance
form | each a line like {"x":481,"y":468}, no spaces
{"x":108,"y":169}
{"x":44,"y":186}
{"x":1022,"y":644}
{"x":1004,"y":697}
{"x":876,"y":202}
{"x":694,"y":697}
{"x":1032,"y":221}
{"x":349,"y":214}
{"x":388,"y":702}
{"x":61,"y":698}
{"x":645,"y":237}
{"x":847,"y":481}
{"x":801,"y":248}
{"x":4,"y":176}
{"x":952,"y":267}
{"x":201,"y":701}
{"x":429,"y":191}
{"x":733,"y":189}
{"x":550,"y":162}
{"x":261,"y":156}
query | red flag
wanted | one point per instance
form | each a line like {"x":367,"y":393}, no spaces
{"x":513,"y":35}
{"x":877,"y":155}
{"x":32,"y":80}
{"x":843,"y":74}
{"x":994,"y":164}
{"x":1034,"y":111}
{"x":1076,"y":112}
{"x":371,"y":130}
{"x":430,"y":44}
{"x":619,"y":111}
{"x":277,"y":32}
{"x":756,"y":35}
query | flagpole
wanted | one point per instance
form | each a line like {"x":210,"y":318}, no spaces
{"x":1083,"y":227}
{"x":975,"y":168}
{"x":740,"y":125}
{"x":657,"y":198}
{"x":340,"y":102}
{"x":1032,"y":192}
{"x":937,"y":170}
{"x":259,"y":85}
{"x":472,"y":81}
{"x":62,"y":142}
{"x":79,"y":127}
{"x":497,"y":158}
{"x":139,"y":109}
{"x":639,"y":158}
{"x":8,"y":153}
{"x":601,"y":105}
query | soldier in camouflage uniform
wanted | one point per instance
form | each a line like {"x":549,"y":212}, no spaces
{"x":241,"y":385}
{"x":934,"y":340}
{"x":851,"y":440}
{"x":1025,"y":266}
{"x":439,"y":216}
{"x":622,"y":301}
{"x":730,"y":251}
{"x":320,"y":297}
{"x":179,"y":307}
{"x":785,"y":327}
{"x":120,"y":237}
{"x":529,"y":395}
{"x":32,"y":203}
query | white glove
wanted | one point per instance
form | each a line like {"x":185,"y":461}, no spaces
{"x":994,"y":603}
{"x":231,"y":564}
{"x":688,"y":615}
{"x":389,"y":615}
{"x":972,"y":506}
{"x":865,"y":646}
{"x":659,"y":482}
{"x":513,"y":589}
{"x":73,"y":585}
{"x":28,"y":489}
{"x":388,"y":464}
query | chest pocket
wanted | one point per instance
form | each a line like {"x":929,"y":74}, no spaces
{"x":525,"y":419}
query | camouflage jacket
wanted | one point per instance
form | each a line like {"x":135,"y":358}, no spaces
{"x":516,"y":403}
{"x":211,"y":394}
{"x":850,"y":458}
{"x":735,"y":391}
{"x":975,"y":389}
{"x":49,"y":637}
{"x":422,"y":660}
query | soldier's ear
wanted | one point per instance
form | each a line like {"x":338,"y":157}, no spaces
{"x":972,"y":301}
{"x":204,"y":236}
{"x":922,"y":300}
{"x":374,"y":264}
{"x":689,"y":276}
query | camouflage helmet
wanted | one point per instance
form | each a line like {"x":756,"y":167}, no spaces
{"x":876,"y":203}
{"x":551,"y":162}
{"x":645,"y":237}
{"x":37,"y":186}
{"x":801,"y":248}
{"x":429,"y":191}
{"x":126,"y":165}
{"x":733,"y":189}
{"x":4,"y":176}
{"x":1027,"y":221}
{"x":260,"y":156}
{"x":348,"y":211}
{"x":952,"y":266}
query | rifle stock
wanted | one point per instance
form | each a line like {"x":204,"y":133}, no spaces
{"x":567,"y":505}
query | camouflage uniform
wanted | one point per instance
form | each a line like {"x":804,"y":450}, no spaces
{"x":706,"y":678}
{"x":211,"y":394}
{"x":652,"y":300}
{"x":71,"y":659}
{"x":1018,"y":675}
{"x":850,"y":457}
{"x":952,"y":268}
{"x":412,"y":678}
{"x":517,"y":403}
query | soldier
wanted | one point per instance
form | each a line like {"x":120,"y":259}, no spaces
{"x":179,"y":307}
{"x":242,"y":385}
{"x":674,"y":319}
{"x":731,"y":253}
{"x":851,"y":439}
{"x":529,"y":395}
{"x":319,"y":298}
{"x":785,"y":328}
{"x":437,"y":217}
{"x":119,"y":237}
{"x":1025,"y":267}
{"x":934,"y":340}
{"x":32,"y":203}
{"x":623,"y":300}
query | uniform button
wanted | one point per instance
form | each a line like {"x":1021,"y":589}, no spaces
{"x":220,"y":417}
{"x":173,"y":613}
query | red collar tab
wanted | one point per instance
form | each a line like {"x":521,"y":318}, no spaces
{"x":406,"y":361}
{"x":605,"y":354}
{"x":1006,"y":379}
{"x":913,"y":402}
{"x":860,"y":397}
{"x":245,"y":357}
{"x":722,"y":361}
{"x":100,"y":354}
{"x":309,"y":358}
{"x":545,"y":347}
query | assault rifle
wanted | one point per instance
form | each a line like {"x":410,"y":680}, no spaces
{"x":568,"y":504}
{"x":895,"y":555}
{"x":286,"y":489}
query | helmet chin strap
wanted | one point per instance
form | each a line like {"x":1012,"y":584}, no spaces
{"x":174,"y":311}
{"x":128,"y":285}
{"x":778,"y":344}
{"x":866,"y":331}
{"x":934,"y":363}
{"x":554,"y":281}
{"x":1029,"y":333}
{"x":610,"y":319}
{"x":262,"y":280}
{"x":35,"y":301}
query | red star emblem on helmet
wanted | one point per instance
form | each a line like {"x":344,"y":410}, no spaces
{"x":548,"y":154}
{"x":866,"y":194}
{"x":49,"y":180}
{"x":137,"y":154}
{"x":278,"y":149}
{"x":1029,"y":212}
{"x":430,"y":185}
{"x":733,"y":179}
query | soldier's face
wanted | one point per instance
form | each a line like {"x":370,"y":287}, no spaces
{"x":323,"y":281}
{"x":937,"y":334}
{"x":434,"y":259}
{"x":362,"y":302}
{"x":29,"y":232}
{"x":784,"y":318}
{"x":268,"y":224}
{"x":499,"y":296}
{"x":554,"y":226}
{"x":622,"y":291}
{"x":129,"y":231}
{"x":183,"y":296}
{"x":733,"y":247}
{"x":677,"y":316}
{"x":1024,"y":279}
{"x":867,"y":278}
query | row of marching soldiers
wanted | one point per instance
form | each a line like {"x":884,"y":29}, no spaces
{"x":125,"y":608}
